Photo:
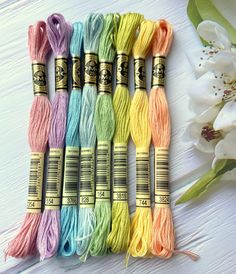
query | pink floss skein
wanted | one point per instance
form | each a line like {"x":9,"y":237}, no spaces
{"x":24,"y":244}
{"x":59,"y":33}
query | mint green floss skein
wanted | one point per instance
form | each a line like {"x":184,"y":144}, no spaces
{"x":93,"y":26}
{"x":105,"y":127}
{"x":69,"y":213}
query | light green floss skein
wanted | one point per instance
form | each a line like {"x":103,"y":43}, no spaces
{"x":119,"y":236}
{"x":69,"y":214}
{"x":105,"y":127}
{"x":93,"y":26}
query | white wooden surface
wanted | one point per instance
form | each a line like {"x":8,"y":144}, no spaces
{"x":207,"y":226}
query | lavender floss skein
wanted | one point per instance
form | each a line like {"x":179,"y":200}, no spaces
{"x":92,"y":30}
{"x":69,"y":212}
{"x":59,"y":32}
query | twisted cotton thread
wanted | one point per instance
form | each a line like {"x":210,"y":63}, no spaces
{"x":105,"y":127}
{"x":24,"y":244}
{"x":140,"y":132}
{"x":93,"y":26}
{"x":59,"y":32}
{"x":69,"y":213}
{"x":163,"y":236}
{"x":119,"y":237}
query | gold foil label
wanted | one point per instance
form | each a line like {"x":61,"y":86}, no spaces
{"x":76,"y":75}
{"x":34,"y":202}
{"x":103,"y":171}
{"x":161,"y":179}
{"x":158,"y":71}
{"x":139,"y":74}
{"x":122,"y":68}
{"x":61,"y":73}
{"x":120,"y":172}
{"x":90,"y":69}
{"x":39,"y":79}
{"x":71,"y":176}
{"x":105,"y":77}
{"x":54,"y":179}
{"x":87,"y":195}
{"x":142,"y":179}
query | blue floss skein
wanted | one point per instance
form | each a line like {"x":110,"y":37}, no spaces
{"x":92,"y":30}
{"x":69,"y":212}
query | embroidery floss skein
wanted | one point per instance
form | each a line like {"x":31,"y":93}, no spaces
{"x":59,"y":32}
{"x":69,"y":212}
{"x":24,"y":244}
{"x":93,"y":26}
{"x":141,"y":224}
{"x":119,"y":237}
{"x":105,"y":127}
{"x":163,"y":236}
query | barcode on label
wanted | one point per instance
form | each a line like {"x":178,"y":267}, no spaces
{"x":87,"y":178}
{"x":120,"y":173}
{"x":34,"y":202}
{"x":161,"y":178}
{"x":54,"y":179}
{"x":142,"y":179}
{"x":103,"y":171}
{"x":71,"y":175}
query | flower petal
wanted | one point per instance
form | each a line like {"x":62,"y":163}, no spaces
{"x":207,"y":90}
{"x":223,"y":63}
{"x":208,"y":115}
{"x":226,"y":119}
{"x":214,"y":34}
{"x":226,"y":148}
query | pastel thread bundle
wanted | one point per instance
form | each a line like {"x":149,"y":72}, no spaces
{"x":59,"y":32}
{"x":119,"y":237}
{"x":24,"y":244}
{"x":69,"y":212}
{"x":141,"y":224}
{"x":105,"y":127}
{"x":163,"y":236}
{"x":93,"y":26}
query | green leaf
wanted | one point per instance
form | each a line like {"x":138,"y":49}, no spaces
{"x":193,"y":13}
{"x":194,"y":16}
{"x":208,"y":11}
{"x":209,"y":178}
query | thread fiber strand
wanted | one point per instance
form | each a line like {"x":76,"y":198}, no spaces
{"x":93,"y":26}
{"x":119,"y":237}
{"x":59,"y":32}
{"x":141,"y":223}
{"x":69,"y":213}
{"x":24,"y":244}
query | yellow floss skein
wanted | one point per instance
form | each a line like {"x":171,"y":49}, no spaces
{"x":141,"y":226}
{"x":119,"y":237}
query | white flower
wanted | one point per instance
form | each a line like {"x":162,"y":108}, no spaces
{"x":225,"y":148}
{"x":202,"y":136}
{"x":217,"y":38}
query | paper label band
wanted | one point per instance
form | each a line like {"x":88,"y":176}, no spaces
{"x":139,"y":74}
{"x":90,"y":69}
{"x":105,"y":77}
{"x":76,"y":75}
{"x":87,"y":196}
{"x":71,"y":176}
{"x":122,"y":68}
{"x":53,"y":187}
{"x":39,"y":79}
{"x":158,"y":71}
{"x":120,"y":193}
{"x":142,"y":179}
{"x":103,"y":171}
{"x":61,"y":73}
{"x":162,"y":196}
{"x":34,"y":202}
